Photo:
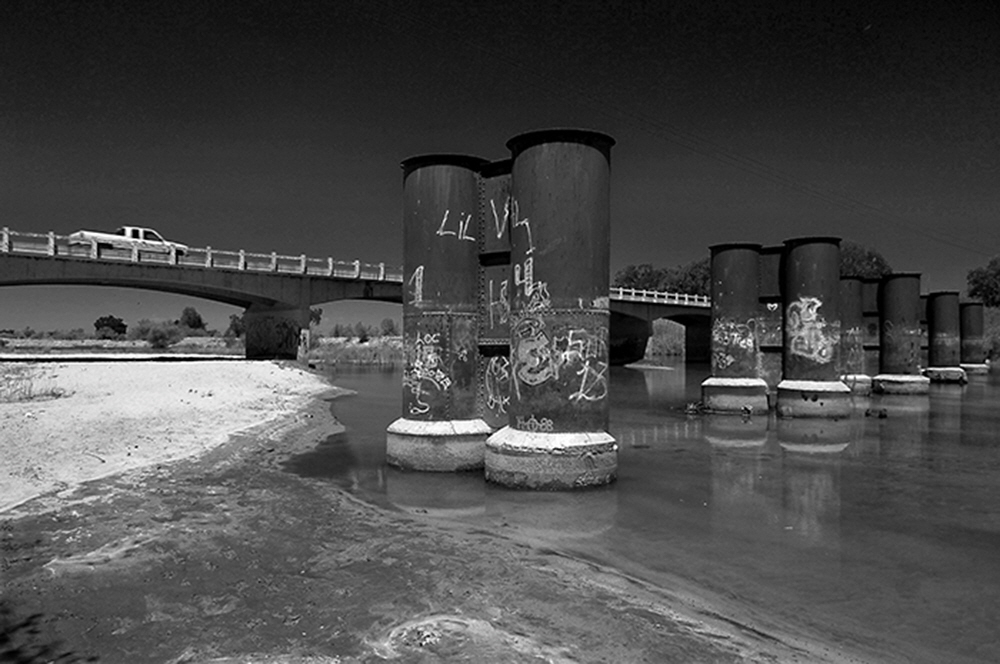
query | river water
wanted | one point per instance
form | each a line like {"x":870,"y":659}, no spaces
{"x":880,"y":533}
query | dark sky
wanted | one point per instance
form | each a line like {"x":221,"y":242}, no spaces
{"x":280,"y":126}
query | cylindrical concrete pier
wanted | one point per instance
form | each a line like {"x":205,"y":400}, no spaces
{"x":811,"y":386}
{"x":972,"y":330}
{"x":770,"y":322}
{"x":944,"y":344}
{"x":735,"y":385}
{"x":560,"y":229}
{"x":440,"y":429}
{"x":852,"y":323}
{"x":899,"y":351}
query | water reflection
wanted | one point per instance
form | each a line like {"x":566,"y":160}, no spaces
{"x":881,"y":528}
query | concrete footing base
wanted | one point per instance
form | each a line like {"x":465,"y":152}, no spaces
{"x":900,"y":384}
{"x":734,"y":395}
{"x":946,"y":374}
{"x":536,"y":460}
{"x":976,"y":369}
{"x":814,"y":398}
{"x":859,"y":384}
{"x":443,"y":446}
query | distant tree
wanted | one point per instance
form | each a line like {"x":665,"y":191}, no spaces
{"x":236,"y":327}
{"x":112,"y":324}
{"x":315,"y":316}
{"x":389,"y":327}
{"x":984,"y":282}
{"x":164,"y":334}
{"x":863,"y":262}
{"x":191,"y":319}
{"x":361,"y":332}
{"x":643,"y":277}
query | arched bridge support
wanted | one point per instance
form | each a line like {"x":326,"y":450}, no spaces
{"x":276,"y":332}
{"x":628,"y":338}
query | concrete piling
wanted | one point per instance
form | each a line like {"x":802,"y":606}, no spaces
{"x":440,"y":429}
{"x":556,"y":437}
{"x":811,"y":386}
{"x":972,"y":331}
{"x":944,"y":345}
{"x":735,"y":385}
{"x":900,"y":336}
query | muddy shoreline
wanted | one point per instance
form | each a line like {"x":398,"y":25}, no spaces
{"x":228,"y":557}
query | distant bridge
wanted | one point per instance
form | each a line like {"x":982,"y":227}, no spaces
{"x":277,"y":287}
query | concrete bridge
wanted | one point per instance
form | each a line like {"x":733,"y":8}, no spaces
{"x":277,"y":291}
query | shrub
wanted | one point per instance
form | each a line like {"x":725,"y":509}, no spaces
{"x":163,"y":335}
{"x":113,"y":323}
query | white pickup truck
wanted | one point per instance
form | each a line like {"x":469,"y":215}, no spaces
{"x":127,"y":237}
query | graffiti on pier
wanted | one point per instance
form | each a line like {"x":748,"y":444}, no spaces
{"x":496,"y":384}
{"x":417,"y":283}
{"x":424,"y":374}
{"x":462,"y":232}
{"x":498,"y":305}
{"x":537,"y":292}
{"x":523,"y":223}
{"x":809,"y":334}
{"x":543,"y":425}
{"x":500,"y":223}
{"x":732,"y":340}
{"x":578,"y":358}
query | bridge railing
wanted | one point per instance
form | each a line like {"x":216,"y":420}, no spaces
{"x":50,"y":244}
{"x":658,"y":297}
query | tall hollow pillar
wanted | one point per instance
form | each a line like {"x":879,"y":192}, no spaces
{"x":770,"y":326}
{"x":440,"y":429}
{"x":972,"y":330}
{"x":944,"y":344}
{"x":899,"y":351}
{"x":811,"y":386}
{"x":556,"y":437}
{"x":852,"y":351}
{"x":735,"y":385}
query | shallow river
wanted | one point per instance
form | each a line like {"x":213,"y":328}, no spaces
{"x":881,"y":532}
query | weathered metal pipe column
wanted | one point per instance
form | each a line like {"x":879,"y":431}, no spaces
{"x":944,"y":348}
{"x":560,"y":229}
{"x":439,"y":429}
{"x":899,"y":351}
{"x":972,"y":330}
{"x":852,"y":351}
{"x":735,"y":385}
{"x":870,"y":287}
{"x":811,"y":386}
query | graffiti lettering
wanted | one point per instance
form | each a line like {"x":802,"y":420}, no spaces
{"x":729,"y":337}
{"x":463,"y":227}
{"x":537,"y":358}
{"x":417,"y":281}
{"x":537,"y":292}
{"x":424,"y":374}
{"x":500,"y":225}
{"x":809,"y":334}
{"x":543,"y":425}
{"x":496,"y":384}
{"x":499,"y":308}
{"x":522,"y":223}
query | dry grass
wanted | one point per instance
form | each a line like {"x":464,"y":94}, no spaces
{"x":23,"y":382}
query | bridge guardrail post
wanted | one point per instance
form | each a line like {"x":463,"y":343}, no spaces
{"x":381,"y":271}
{"x":243,"y":259}
{"x":274,"y":261}
{"x":52,"y":243}
{"x":329,"y":266}
{"x":135,"y":254}
{"x":173,"y":255}
{"x":208,"y":257}
{"x":93,"y":249}
{"x":357,"y":269}
{"x":302,"y":264}
{"x":5,"y":240}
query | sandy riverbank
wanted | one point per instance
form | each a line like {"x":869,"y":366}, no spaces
{"x":65,"y":423}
